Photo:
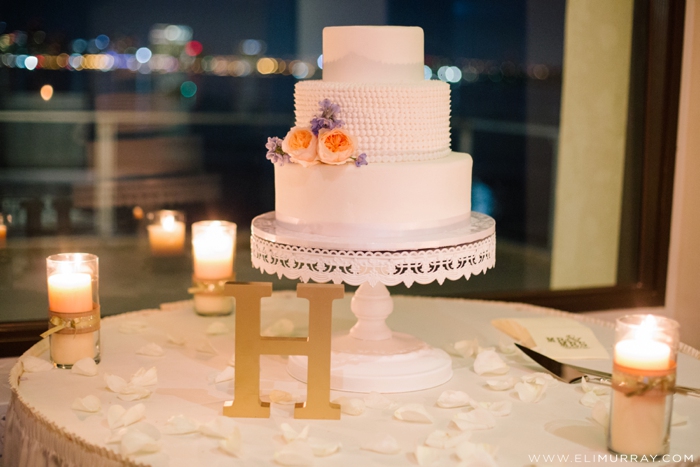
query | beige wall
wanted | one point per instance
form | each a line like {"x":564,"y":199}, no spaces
{"x":683,"y":284}
{"x":589,"y":174}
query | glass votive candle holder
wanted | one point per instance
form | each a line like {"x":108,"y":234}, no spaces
{"x":643,"y":383}
{"x":166,"y":232}
{"x":74,"y":308}
{"x":213,"y":253}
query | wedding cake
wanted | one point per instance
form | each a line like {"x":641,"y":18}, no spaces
{"x":370,"y":153}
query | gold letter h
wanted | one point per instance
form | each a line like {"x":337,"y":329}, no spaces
{"x":250,"y":345}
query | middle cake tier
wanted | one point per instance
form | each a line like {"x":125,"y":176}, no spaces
{"x":391,"y":122}
{"x":376,"y":200}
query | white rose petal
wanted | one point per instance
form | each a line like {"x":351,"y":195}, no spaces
{"x":180,"y":425}
{"x":295,"y":453}
{"x":426,"y":455}
{"x":115,"y":383}
{"x":290,"y":434}
{"x":115,"y":436}
{"x":176,"y":339}
{"x":87,"y":404}
{"x":85,"y":367}
{"x":137,"y":442}
{"x":466,"y":348}
{"x":34,"y":364}
{"x":476,"y":455}
{"x":206,"y":347}
{"x":278,"y":396}
{"x":145,"y":377}
{"x":217,"y":327}
{"x":151,"y":350}
{"x":281,"y":328}
{"x":507,"y":348}
{"x":414,"y":413}
{"x":488,"y":362}
{"x":383,"y":444}
{"x":374,"y":400}
{"x":451,"y":399}
{"x":477,"y":419}
{"x":589,"y":399}
{"x":228,"y":374}
{"x":499,"y":409}
{"x":501,"y":384}
{"x":350,"y":405}
{"x":133,"y":393}
{"x":323,"y":448}
{"x":118,"y":416}
{"x":529,"y":392}
{"x":539,"y":378}
{"x":446,"y":439}
{"x":221,"y":427}
{"x":232,"y":444}
{"x":132,"y":327}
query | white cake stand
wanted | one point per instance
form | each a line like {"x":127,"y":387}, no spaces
{"x":370,"y":357}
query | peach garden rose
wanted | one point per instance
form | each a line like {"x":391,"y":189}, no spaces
{"x":335,"y":146}
{"x":301,"y":145}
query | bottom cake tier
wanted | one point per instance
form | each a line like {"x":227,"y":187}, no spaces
{"x":376,"y":199}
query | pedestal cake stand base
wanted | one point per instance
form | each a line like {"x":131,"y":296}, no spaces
{"x":370,"y":357}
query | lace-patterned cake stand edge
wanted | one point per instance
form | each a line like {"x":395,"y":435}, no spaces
{"x":370,"y":357}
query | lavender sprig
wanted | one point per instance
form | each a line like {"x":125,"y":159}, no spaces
{"x":360,"y":160}
{"x":275,"y":154}
{"x":329,"y":118}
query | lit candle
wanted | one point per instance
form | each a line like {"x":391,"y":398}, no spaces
{"x":3,"y":235}
{"x":166,"y":234}
{"x":639,"y":423}
{"x":213,"y":246}
{"x":213,"y":250}
{"x":70,"y":291}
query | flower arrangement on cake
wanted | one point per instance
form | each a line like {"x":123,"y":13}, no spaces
{"x":322,"y":142}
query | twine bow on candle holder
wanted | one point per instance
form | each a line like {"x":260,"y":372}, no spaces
{"x":73,"y":323}
{"x":654,"y":382}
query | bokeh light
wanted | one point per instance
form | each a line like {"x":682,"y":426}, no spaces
{"x":193,"y":48}
{"x":188,"y":89}
{"x":101,"y":41}
{"x":251,"y":47}
{"x":427,"y":72}
{"x":319,"y":61}
{"x":300,"y":70}
{"x":79,"y":46}
{"x":143,"y":55}
{"x":46,"y":92}
{"x":266,"y":65}
{"x":31,"y":62}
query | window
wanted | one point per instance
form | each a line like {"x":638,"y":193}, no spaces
{"x":111,"y":110}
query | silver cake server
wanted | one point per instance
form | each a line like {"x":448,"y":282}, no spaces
{"x":573,"y":374}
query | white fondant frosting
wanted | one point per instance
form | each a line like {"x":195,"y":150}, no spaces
{"x":391,"y":122}
{"x":375,"y":200}
{"x":373,"y":54}
{"x":413,"y":182}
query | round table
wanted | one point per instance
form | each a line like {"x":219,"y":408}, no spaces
{"x":42,"y":429}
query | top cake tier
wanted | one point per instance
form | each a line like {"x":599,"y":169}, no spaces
{"x":373,"y":54}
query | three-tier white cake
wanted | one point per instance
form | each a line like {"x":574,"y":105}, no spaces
{"x":396,"y":121}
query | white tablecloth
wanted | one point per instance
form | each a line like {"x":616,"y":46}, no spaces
{"x":42,"y":429}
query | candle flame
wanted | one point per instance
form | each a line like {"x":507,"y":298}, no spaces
{"x":646,"y":329}
{"x":168,"y":223}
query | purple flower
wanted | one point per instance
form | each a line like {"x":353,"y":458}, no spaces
{"x":275,"y":154}
{"x":328,"y":119}
{"x":361,"y":160}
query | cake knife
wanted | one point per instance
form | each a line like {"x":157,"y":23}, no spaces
{"x":573,"y":374}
